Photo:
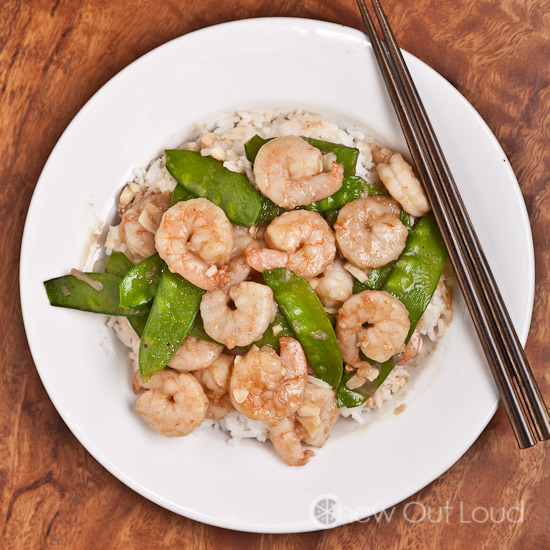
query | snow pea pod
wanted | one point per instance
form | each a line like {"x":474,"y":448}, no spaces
{"x":138,"y":322}
{"x":70,"y":292}
{"x":373,"y":192}
{"x":253,"y":145}
{"x":415,"y":276}
{"x":181,"y":194}
{"x":173,"y":312}
{"x":140,"y":284}
{"x":197,"y":330}
{"x":413,"y":281}
{"x":353,"y":398}
{"x":304,"y":312}
{"x":118,"y":264}
{"x":331,"y":216}
{"x":207,"y":177}
{"x":269,"y":338}
{"x":268,"y":211}
{"x":405,"y":219}
{"x":376,"y":278}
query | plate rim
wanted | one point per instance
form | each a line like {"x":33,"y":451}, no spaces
{"x":65,"y":415}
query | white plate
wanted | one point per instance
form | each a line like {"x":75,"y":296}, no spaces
{"x":152,"y":104}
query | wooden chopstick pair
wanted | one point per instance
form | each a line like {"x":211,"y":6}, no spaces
{"x":520,"y":394}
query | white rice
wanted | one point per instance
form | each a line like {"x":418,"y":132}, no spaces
{"x":225,"y":142}
{"x":238,"y":426}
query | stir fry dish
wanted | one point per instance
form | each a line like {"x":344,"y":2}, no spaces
{"x":269,"y":277}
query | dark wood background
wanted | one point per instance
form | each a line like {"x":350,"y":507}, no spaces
{"x":54,"y":54}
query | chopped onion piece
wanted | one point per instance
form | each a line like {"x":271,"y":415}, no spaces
{"x":126,"y":197}
{"x":328,"y":159}
{"x":360,"y":274}
{"x":96,"y":285}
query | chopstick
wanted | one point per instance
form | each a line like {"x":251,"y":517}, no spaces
{"x":520,"y":394}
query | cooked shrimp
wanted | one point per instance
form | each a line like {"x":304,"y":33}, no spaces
{"x":195,"y":239}
{"x":237,"y":272}
{"x":215,"y":382}
{"x":398,"y":178}
{"x":365,"y":372}
{"x":413,"y":347}
{"x":254,"y":310}
{"x":289,"y":171}
{"x":380,"y":154}
{"x":266,"y":386}
{"x":173,"y":404}
{"x":369,"y":232}
{"x":388,"y":321}
{"x":285,"y":436}
{"x":334,"y":286}
{"x":311,"y":424}
{"x":140,"y":222}
{"x":194,"y":354}
{"x":218,"y":408}
{"x":300,"y":240}
{"x":242,"y":236}
{"x":237,"y":268}
{"x":318,"y":413}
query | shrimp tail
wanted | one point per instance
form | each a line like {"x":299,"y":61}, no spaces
{"x":137,"y":383}
{"x":264,"y":258}
{"x":337,"y":171}
{"x":287,"y":443}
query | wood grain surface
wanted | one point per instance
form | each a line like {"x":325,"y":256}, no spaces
{"x":54,"y":54}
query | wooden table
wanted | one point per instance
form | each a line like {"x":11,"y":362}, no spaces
{"x":54,"y":55}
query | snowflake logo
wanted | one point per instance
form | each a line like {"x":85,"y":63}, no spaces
{"x":325,"y":510}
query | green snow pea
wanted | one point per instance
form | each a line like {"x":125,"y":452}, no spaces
{"x":173,"y":312}
{"x":304,"y":312}
{"x":352,"y":187}
{"x":405,"y":219}
{"x":373,"y":192}
{"x":268,"y":211}
{"x":415,"y":276}
{"x":181,"y":194}
{"x":138,"y":322}
{"x":140,"y":284}
{"x":269,"y":338}
{"x":376,"y":278}
{"x":118,"y":264}
{"x":207,"y":177}
{"x":197,"y":330}
{"x":253,"y":145}
{"x":413,"y":281}
{"x":331,"y":216}
{"x":68,"y":291}
{"x":353,"y":398}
